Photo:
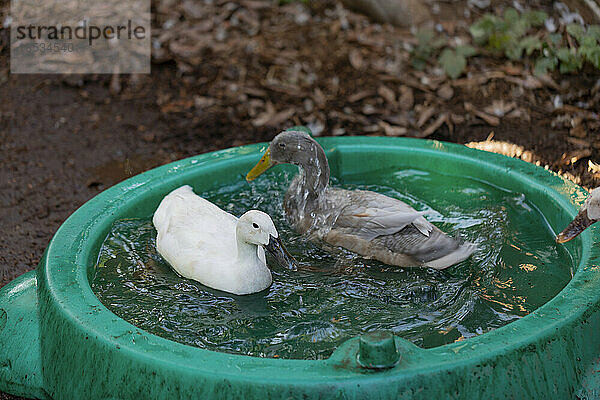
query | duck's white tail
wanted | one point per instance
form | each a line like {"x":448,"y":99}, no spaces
{"x":163,"y":213}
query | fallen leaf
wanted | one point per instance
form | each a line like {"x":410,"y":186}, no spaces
{"x":400,"y":119}
{"x":363,"y":94}
{"x":264,"y":117}
{"x":434,"y":126}
{"x":593,"y":167}
{"x":529,"y":82}
{"x":369,"y":109}
{"x":490,"y":119}
{"x":449,"y":124}
{"x":519,"y":113}
{"x":319,"y":98}
{"x":479,"y":79}
{"x":577,"y":129}
{"x":257,"y":4}
{"x":578,"y":142}
{"x":255,"y":92}
{"x":177,"y":106}
{"x":426,"y":113}
{"x":393,"y":130}
{"x":445,"y":92}
{"x":356,"y":59}
{"x":511,"y":69}
{"x":338,"y":131}
{"x":203,"y":102}
{"x":407,"y":98}
{"x":583,"y":113}
{"x":281,"y":117}
{"x":115,"y":84}
{"x":574,"y":156}
{"x":449,"y":26}
{"x":387,"y":94}
{"x":500,"y":108}
{"x":457,"y":119}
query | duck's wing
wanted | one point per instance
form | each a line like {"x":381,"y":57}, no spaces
{"x":369,"y":214}
{"x":192,"y":230}
{"x":388,"y":229}
{"x":438,"y":250}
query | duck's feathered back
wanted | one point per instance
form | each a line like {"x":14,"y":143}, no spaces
{"x":179,"y":241}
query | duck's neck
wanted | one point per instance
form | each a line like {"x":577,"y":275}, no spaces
{"x":314,"y":174}
{"x":247,"y":252}
{"x":252,"y":273}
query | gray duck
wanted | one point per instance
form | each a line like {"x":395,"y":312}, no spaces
{"x":368,"y":223}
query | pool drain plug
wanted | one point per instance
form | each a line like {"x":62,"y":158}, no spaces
{"x":377,"y":350}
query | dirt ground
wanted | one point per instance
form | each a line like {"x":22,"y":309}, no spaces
{"x":230,"y":75}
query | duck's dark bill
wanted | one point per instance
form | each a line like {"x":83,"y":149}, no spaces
{"x":263,"y":165}
{"x":278,"y":251}
{"x":578,"y":225}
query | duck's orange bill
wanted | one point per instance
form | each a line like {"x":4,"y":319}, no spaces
{"x":263,"y":165}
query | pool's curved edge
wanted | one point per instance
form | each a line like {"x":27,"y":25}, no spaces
{"x":20,"y":359}
{"x":121,"y":345}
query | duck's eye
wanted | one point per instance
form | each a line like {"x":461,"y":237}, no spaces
{"x":282,"y":145}
{"x":255,"y":225}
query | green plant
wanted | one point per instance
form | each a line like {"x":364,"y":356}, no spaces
{"x":509,"y":34}
{"x":589,"y":42}
{"x":452,"y":60}
{"x":570,"y":59}
{"x":428,"y":43}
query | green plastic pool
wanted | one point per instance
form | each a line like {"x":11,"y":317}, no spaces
{"x":57,"y":340}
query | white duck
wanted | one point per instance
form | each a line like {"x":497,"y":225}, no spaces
{"x":204,"y":243}
{"x":588,"y":214}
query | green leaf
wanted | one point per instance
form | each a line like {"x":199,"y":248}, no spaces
{"x":555,"y":39}
{"x":535,"y":18}
{"x":438,"y":43}
{"x":543,"y":65}
{"x":466,"y":50}
{"x":499,"y":41}
{"x":594,"y":57}
{"x":519,"y":28}
{"x":569,"y":61}
{"x":594,"y":31}
{"x":424,"y":36}
{"x":576,"y":30}
{"x":563,"y":54}
{"x":530,"y":44}
{"x":454,"y":64}
{"x":592,"y":54}
{"x":515,"y":53}
{"x":483,"y":28}
{"x":511,"y":16}
{"x":588,"y":41}
{"x":419,"y":63}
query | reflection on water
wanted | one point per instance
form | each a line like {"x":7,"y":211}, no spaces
{"x":335,"y":294}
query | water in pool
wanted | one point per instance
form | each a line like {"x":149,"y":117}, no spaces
{"x":336,"y":295}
